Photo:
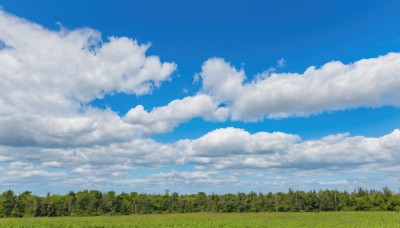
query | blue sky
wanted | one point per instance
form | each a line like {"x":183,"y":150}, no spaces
{"x":228,"y":96}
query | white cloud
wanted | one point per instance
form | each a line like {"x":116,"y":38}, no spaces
{"x":175,"y":175}
{"x":52,"y":164}
{"x":134,"y":182}
{"x":49,"y":77}
{"x":232,"y":148}
{"x":93,"y":170}
{"x":93,"y":126}
{"x":266,"y":156}
{"x":222,"y":149}
{"x":119,"y":174}
{"x":26,"y":173}
{"x":4,"y":158}
{"x":225,"y":92}
{"x":230,"y":141}
{"x":34,"y":173}
{"x":165,"y":118}
{"x":98,"y":160}
{"x":335,"y":86}
{"x":336,"y":183}
{"x":21,"y":165}
{"x":180,"y":178}
{"x":76,"y":64}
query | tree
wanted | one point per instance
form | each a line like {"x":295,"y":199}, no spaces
{"x":108,"y":202}
{"x":7,"y":203}
{"x":123,"y":205}
{"x":22,"y":205}
{"x":201,"y":202}
{"x":70,"y":202}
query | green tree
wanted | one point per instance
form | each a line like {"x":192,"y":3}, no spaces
{"x":201,"y":202}
{"x":7,"y":203}
{"x":108,"y":202}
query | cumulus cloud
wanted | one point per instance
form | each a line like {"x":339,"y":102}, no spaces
{"x":98,"y":160}
{"x":89,"y":66}
{"x":23,"y":173}
{"x":165,"y":118}
{"x":225,"y":93}
{"x":49,"y":77}
{"x":233,"y":148}
{"x":230,"y":141}
{"x":266,"y":156}
{"x":335,"y":86}
{"x":93,"y":166}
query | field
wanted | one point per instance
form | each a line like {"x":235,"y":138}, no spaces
{"x":323,"y":219}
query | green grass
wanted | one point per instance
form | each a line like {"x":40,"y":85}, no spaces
{"x":322,"y":219}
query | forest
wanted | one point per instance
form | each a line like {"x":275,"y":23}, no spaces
{"x":96,"y":203}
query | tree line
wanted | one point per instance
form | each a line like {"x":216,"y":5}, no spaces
{"x":94,"y":203}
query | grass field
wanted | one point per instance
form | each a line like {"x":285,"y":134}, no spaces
{"x":323,"y":219}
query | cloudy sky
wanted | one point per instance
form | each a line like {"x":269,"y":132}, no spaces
{"x":214,"y":96}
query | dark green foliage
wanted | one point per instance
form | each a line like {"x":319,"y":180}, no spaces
{"x":7,"y":203}
{"x":94,"y":203}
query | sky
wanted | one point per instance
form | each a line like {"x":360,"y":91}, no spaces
{"x":214,"y":96}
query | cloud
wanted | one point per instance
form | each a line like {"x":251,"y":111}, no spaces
{"x":336,"y":183}
{"x":233,"y":148}
{"x":230,"y":141}
{"x":281,"y":63}
{"x":49,"y":78}
{"x":52,"y":164}
{"x":93,"y":166}
{"x":90,"y":67}
{"x":180,"y":178}
{"x":225,"y":93}
{"x":91,"y":170}
{"x":175,"y":175}
{"x":23,"y":173}
{"x":275,"y":158}
{"x":4,"y":158}
{"x":96,"y":160}
{"x":93,"y":126}
{"x":335,"y":86}
{"x":165,"y":118}
{"x":21,"y":165}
